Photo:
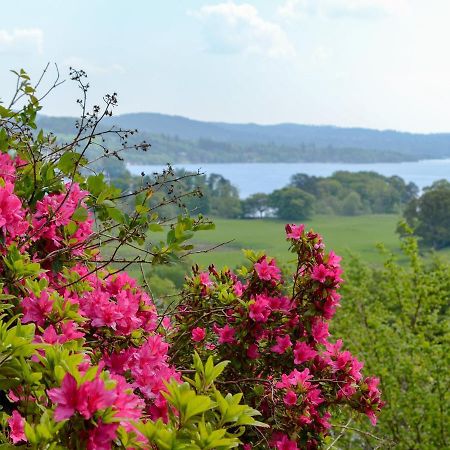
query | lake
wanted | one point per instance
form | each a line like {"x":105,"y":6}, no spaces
{"x":250,"y":178}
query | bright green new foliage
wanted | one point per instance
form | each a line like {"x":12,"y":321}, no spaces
{"x":397,"y":317}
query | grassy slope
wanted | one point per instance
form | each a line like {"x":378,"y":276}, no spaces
{"x":358,"y":234}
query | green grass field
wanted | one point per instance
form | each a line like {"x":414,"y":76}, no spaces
{"x":358,"y":234}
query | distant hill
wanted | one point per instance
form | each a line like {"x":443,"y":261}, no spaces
{"x":182,"y":140}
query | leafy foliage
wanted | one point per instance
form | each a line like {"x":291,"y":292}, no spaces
{"x":354,"y":193}
{"x":275,"y":335}
{"x":86,"y":362}
{"x":397,"y":318}
{"x":429,"y":215}
{"x":83,"y":360}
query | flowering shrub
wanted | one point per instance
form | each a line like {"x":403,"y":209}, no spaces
{"x":275,"y":334}
{"x":85,"y":360}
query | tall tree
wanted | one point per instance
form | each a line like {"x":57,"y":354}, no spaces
{"x":291,"y":203}
{"x":429,"y":215}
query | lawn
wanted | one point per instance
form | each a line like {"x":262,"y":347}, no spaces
{"x":358,"y":234}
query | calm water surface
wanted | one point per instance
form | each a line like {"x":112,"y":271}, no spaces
{"x":250,"y":178}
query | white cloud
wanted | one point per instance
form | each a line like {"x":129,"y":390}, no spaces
{"x":234,"y":28}
{"x":369,"y":9}
{"x":25,"y":40}
{"x":90,"y":68}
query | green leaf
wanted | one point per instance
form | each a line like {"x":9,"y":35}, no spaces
{"x":69,"y":161}
{"x":155,"y":227}
{"x":4,"y":140}
{"x":80,"y":214}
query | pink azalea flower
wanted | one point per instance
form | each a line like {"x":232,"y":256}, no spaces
{"x":333,"y":259}
{"x":267,"y":270}
{"x":303,"y":352}
{"x":238,"y":288}
{"x":290,"y":399}
{"x":372,"y":416}
{"x":324,"y":421}
{"x":259,"y":309}
{"x":69,"y":331}
{"x":66,"y":397}
{"x":295,"y":378}
{"x":346,"y":391}
{"x":101,"y":437}
{"x":226,"y":335}
{"x":294,"y":231}
{"x":94,"y":396}
{"x":198,"y":334}
{"x":284,"y":443}
{"x":252,"y":351}
{"x":283,"y":343}
{"x":319,"y":331}
{"x":320,"y":273}
{"x":204,"y":279}
{"x":313,"y":397}
{"x":17,"y":427}
{"x":37,"y":309}
{"x":7,"y":169}
{"x":333,"y":349}
{"x":49,"y":335}
{"x":11,"y":214}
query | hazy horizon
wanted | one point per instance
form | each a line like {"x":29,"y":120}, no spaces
{"x":330,"y":125}
{"x":378,"y":64}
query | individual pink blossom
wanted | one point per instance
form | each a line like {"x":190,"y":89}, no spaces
{"x":70,"y":331}
{"x":7,"y":169}
{"x":314,"y":397}
{"x":283,"y":304}
{"x":324,"y":421}
{"x":284,"y":443}
{"x":333,"y":350}
{"x":12,"y":217}
{"x":238,"y":288}
{"x":371,"y":399}
{"x":333,"y":259}
{"x":294,"y":231}
{"x":226,"y":335}
{"x":319,"y":331}
{"x":198,"y":334}
{"x":253,"y":351}
{"x":328,"y":308}
{"x":126,"y":404}
{"x":37,"y":309}
{"x":66,"y":398}
{"x":283,"y":343}
{"x":166,"y":323}
{"x":17,"y":427}
{"x":94,"y":396}
{"x":50,"y":336}
{"x":372,"y":416}
{"x":259,"y":309}
{"x":204,"y":279}
{"x":303,"y":352}
{"x":101,"y":436}
{"x":267,"y":270}
{"x":346,"y":391}
{"x":290,"y":399}
{"x":320,"y":273}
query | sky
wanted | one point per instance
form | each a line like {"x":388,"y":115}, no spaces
{"x":380,"y":64}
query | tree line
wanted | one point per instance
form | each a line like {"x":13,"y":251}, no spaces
{"x":343,"y":193}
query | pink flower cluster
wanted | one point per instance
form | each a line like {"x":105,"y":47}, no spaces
{"x":276,"y":334}
{"x":55,"y":212}
{"x":105,"y":317}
